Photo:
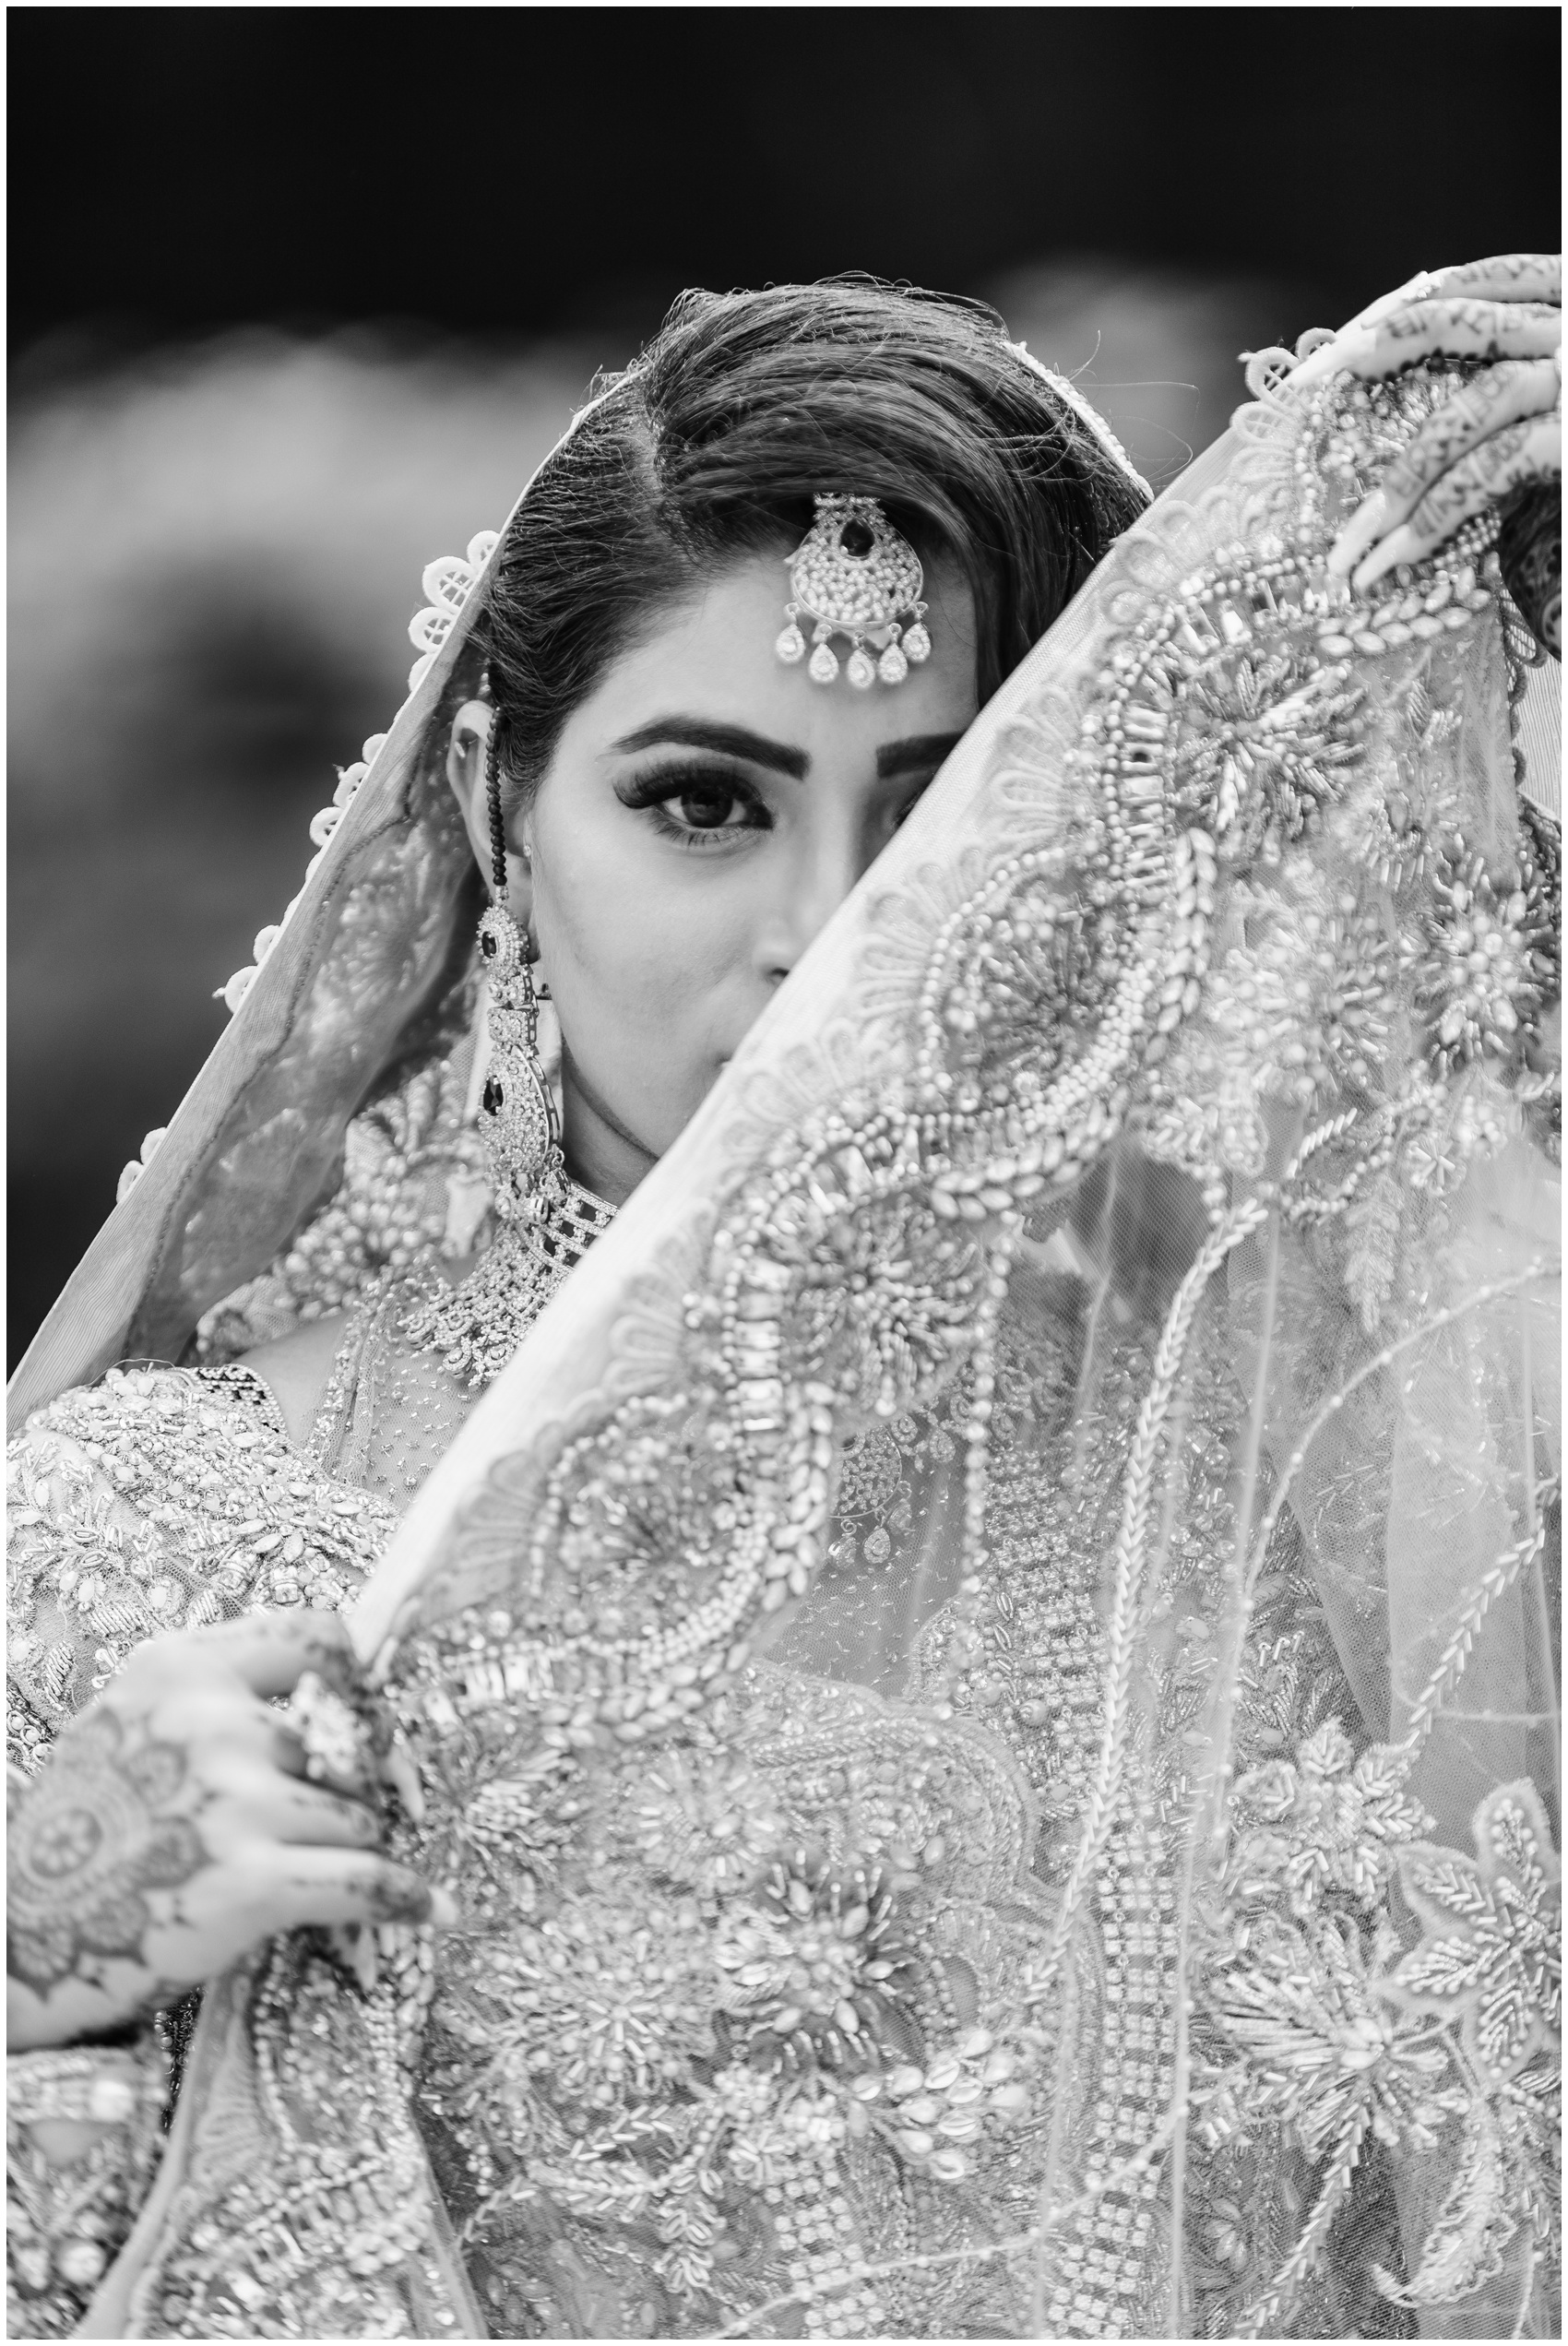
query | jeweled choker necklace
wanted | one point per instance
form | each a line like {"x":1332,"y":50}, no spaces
{"x":477,"y":1327}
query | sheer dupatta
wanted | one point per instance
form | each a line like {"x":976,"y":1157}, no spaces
{"x":1148,"y":1175}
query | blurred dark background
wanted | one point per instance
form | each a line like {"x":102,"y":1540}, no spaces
{"x":300,"y":295}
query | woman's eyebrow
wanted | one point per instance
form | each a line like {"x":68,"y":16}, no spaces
{"x":920,"y":749}
{"x":734,"y":741}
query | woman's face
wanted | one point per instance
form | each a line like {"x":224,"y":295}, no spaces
{"x":705,"y":811}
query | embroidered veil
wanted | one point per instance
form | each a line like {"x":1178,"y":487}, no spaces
{"x":984,"y":1679}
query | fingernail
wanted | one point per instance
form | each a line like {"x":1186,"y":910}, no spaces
{"x":1344,"y":354}
{"x":444,"y":1912}
{"x":1399,"y":546}
{"x":398,"y":1769}
{"x":1358,"y":533}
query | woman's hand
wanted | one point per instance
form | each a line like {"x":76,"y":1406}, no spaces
{"x":1498,"y":436}
{"x":173,"y":1827}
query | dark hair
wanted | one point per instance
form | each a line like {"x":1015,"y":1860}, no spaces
{"x":714,"y":443}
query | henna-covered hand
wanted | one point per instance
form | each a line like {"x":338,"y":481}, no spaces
{"x":172,"y":1829}
{"x":1505,"y":308}
{"x":1497,"y":436}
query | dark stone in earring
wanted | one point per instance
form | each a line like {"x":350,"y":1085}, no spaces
{"x":494,"y":1098}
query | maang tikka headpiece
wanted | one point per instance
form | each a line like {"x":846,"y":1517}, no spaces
{"x":855,"y":576}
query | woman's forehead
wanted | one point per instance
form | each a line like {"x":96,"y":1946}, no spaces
{"x":713,"y":655}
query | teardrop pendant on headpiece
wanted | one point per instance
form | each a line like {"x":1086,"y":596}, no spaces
{"x":854,"y":574}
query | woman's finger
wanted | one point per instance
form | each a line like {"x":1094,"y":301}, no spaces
{"x":303,"y":1812}
{"x":1506,"y":277}
{"x":332,"y":1886}
{"x":324,"y":1819}
{"x":211,"y":1724}
{"x":270,"y":1651}
{"x":269,"y":1806}
{"x":1461,"y":328}
{"x":1503,"y":395}
{"x":1522,"y":452}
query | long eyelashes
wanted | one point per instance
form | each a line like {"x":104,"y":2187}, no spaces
{"x":706,"y":807}
{"x":701,"y":836}
{"x":699,"y":807}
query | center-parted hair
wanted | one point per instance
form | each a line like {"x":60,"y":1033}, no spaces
{"x":712,"y":446}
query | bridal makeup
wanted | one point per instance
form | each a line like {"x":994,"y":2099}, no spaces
{"x":706,"y":810}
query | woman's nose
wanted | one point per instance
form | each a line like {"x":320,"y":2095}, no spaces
{"x":813,"y":883}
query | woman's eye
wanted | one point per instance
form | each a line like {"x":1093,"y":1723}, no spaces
{"x":708,"y":809}
{"x":699,"y":810}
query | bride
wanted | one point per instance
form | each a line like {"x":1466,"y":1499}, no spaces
{"x":961,"y":1741}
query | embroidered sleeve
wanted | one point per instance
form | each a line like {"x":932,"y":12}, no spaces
{"x":160,"y":1499}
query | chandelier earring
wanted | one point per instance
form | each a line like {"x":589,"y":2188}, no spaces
{"x":546,"y":1221}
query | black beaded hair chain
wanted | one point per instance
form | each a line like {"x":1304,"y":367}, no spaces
{"x":492,"y":795}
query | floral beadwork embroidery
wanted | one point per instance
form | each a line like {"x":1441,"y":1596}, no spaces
{"x":1483,"y":976}
{"x":1327,"y":1821}
{"x":1322,"y":2047}
{"x":1491,"y":1934}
